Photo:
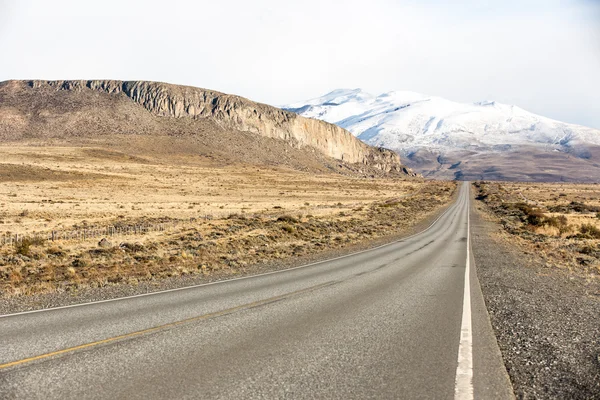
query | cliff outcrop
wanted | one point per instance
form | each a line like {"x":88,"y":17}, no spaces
{"x":233,"y":112}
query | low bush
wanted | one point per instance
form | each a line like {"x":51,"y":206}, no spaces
{"x":287,"y":218}
{"x":590,"y":230}
{"x":23,"y":247}
{"x":557,"y":222}
{"x":574,"y":206}
{"x":55,"y":251}
{"x":588,"y":250}
{"x":536,"y":218}
{"x":80,"y":262}
{"x":390,"y":204}
{"x":288,"y":228}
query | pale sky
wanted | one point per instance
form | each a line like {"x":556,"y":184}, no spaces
{"x":542,"y":55}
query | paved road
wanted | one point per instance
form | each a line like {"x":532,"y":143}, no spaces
{"x":385,"y":323}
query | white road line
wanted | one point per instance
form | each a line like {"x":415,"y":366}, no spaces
{"x":233,"y":279}
{"x":463,"y":389}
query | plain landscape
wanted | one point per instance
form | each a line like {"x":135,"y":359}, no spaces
{"x":214,"y":182}
{"x":300,"y":200}
{"x":211,"y":218}
{"x":110,"y":188}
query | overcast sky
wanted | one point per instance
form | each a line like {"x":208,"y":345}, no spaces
{"x":543,"y":55}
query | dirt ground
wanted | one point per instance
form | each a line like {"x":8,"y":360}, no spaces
{"x":545,"y":317}
{"x":56,"y":187}
{"x":255,"y":213}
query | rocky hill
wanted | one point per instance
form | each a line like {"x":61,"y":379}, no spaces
{"x":99,"y":108}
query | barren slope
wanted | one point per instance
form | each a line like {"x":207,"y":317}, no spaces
{"x":224,"y":127}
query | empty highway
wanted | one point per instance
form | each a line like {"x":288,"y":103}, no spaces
{"x":404,"y":320}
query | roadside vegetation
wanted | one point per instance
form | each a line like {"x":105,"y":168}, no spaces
{"x":560,"y":222}
{"x":223,"y":220}
{"x":225,"y":246}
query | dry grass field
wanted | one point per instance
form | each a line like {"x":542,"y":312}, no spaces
{"x":559,"y":221}
{"x":256,"y":213}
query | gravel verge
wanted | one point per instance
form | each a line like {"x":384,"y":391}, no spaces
{"x":546,"y":320}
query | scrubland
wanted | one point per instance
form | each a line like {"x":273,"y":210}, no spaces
{"x":222,"y":218}
{"x":558,"y":221}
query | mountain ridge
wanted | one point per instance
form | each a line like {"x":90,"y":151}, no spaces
{"x":27,"y":107}
{"x":424,"y":128}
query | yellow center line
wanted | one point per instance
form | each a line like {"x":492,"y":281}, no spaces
{"x":164,"y":326}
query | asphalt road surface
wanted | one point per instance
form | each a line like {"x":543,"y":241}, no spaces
{"x":390,"y":322}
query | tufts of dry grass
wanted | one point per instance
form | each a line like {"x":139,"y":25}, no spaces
{"x":558,"y":221}
{"x":256,"y":214}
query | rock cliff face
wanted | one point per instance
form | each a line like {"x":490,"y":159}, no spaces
{"x":173,"y":101}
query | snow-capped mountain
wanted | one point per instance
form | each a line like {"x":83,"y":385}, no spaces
{"x":425,"y":127}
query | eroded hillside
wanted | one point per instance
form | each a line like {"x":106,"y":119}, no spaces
{"x":97,"y":108}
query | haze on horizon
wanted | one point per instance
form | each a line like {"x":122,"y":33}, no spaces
{"x":543,"y":56}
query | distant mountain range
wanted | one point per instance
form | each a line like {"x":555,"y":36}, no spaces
{"x":445,"y":139}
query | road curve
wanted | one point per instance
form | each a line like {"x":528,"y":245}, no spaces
{"x":384,"y":323}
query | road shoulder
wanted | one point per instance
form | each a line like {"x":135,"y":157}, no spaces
{"x":490,"y":378}
{"x":545,"y":320}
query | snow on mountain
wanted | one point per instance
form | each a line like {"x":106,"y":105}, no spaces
{"x":406,"y":121}
{"x":446,"y":139}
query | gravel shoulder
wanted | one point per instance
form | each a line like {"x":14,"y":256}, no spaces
{"x":546,"y":320}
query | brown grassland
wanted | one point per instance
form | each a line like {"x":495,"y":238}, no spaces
{"x":256,"y":214}
{"x":559,"y":221}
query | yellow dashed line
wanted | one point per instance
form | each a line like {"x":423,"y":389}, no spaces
{"x":161,"y":327}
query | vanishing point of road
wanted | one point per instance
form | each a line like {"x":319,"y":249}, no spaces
{"x":404,"y":320}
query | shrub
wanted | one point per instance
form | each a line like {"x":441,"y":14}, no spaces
{"x":598,"y":216}
{"x":588,"y":250}
{"x":536,"y":218}
{"x":582,"y":207}
{"x":55,"y":251}
{"x":523,"y":207}
{"x":558,"y":222}
{"x":134,"y":247}
{"x":287,"y":218}
{"x":23,"y":247}
{"x":590,"y":231}
{"x":288,"y":228}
